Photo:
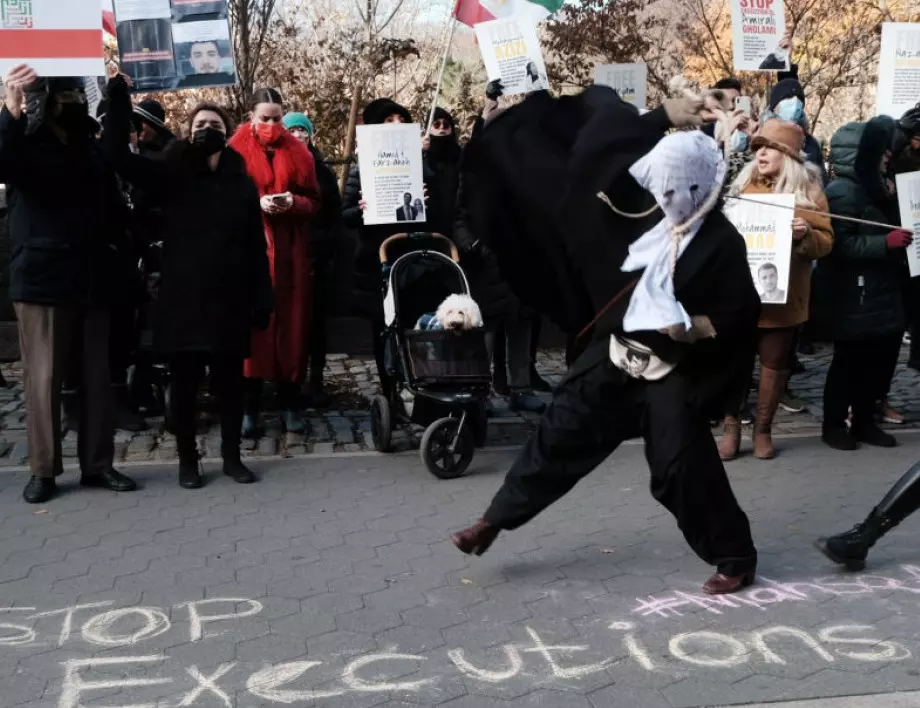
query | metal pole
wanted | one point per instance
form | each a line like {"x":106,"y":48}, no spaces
{"x":437,"y":90}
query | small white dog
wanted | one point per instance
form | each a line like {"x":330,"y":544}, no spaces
{"x":457,"y":312}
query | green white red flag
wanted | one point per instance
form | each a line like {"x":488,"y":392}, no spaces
{"x":472,"y":12}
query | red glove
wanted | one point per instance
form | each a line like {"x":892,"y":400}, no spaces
{"x":899,"y":239}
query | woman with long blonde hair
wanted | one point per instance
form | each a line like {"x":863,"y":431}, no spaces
{"x":779,"y":167}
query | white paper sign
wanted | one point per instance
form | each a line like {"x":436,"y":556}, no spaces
{"x":898,"y":69}
{"x":767,"y":230}
{"x":758,"y":27}
{"x":511,"y":52}
{"x":54,"y":37}
{"x":909,"y":201}
{"x":94,"y":88}
{"x":629,"y":80}
{"x":390,"y":157}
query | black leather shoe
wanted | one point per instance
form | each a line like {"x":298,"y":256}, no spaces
{"x":476,"y":539}
{"x":112,"y":480}
{"x":190,"y":474}
{"x":839,"y":439}
{"x":873,"y":435}
{"x":39,"y":490}
{"x":238,"y":472}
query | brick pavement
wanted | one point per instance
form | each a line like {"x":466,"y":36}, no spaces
{"x":346,"y":427}
{"x":332,"y":583}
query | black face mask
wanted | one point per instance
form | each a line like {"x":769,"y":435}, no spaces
{"x":73,"y":118}
{"x":444,"y":148}
{"x":209,"y":141}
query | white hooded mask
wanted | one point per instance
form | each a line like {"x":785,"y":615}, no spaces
{"x":684,"y":172}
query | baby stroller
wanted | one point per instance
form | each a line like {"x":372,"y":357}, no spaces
{"x":439,"y":379}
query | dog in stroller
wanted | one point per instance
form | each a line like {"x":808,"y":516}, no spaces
{"x":435,"y":354}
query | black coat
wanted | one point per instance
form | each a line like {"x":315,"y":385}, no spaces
{"x":215,"y":277}
{"x":326,"y":226}
{"x":67,"y":217}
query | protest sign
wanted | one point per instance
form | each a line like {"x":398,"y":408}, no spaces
{"x":94,"y":88}
{"x":898,"y":69}
{"x":54,"y":37}
{"x":909,"y":201}
{"x":629,"y":80}
{"x":174,"y":44}
{"x":758,"y":28}
{"x":766,"y":225}
{"x":390,"y":157}
{"x":511,"y":52}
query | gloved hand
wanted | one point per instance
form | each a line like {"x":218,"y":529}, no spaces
{"x":495,"y":90}
{"x":117,"y":86}
{"x":261,"y":319}
{"x":899,"y":239}
{"x":684,"y":112}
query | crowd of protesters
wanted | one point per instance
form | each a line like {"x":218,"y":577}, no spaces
{"x":239,"y":230}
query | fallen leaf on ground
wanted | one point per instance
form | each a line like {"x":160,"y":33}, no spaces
{"x":466,"y":581}
{"x":40,"y":511}
{"x":608,"y":550}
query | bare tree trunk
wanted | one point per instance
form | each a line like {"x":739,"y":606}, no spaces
{"x":350,"y":135}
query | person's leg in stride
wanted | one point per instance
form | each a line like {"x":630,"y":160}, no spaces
{"x":185,"y":373}
{"x":774,"y":347}
{"x":45,"y":334}
{"x":688,"y":478}
{"x":587,"y":420}
{"x":838,"y":395}
{"x":95,"y":445}
{"x":872,"y":377}
{"x":227,"y":374}
{"x":851,"y":548}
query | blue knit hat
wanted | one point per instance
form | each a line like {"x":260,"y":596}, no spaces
{"x":297,"y":120}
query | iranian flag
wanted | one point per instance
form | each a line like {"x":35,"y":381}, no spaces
{"x":472,"y":12}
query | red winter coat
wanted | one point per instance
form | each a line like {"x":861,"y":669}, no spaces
{"x":280,"y":352}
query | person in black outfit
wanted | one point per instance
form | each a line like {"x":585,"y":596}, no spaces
{"x":215,"y":285}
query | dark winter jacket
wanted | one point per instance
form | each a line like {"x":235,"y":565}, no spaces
{"x":326,"y":227}
{"x":859,"y":286}
{"x":67,"y":217}
{"x":215,"y":280}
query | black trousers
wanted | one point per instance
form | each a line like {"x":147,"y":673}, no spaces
{"x":186,"y":372}
{"x":594,"y":410}
{"x":859,"y":375}
{"x":323,"y":289}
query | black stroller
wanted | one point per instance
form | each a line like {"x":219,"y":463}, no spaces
{"x":440,"y":379}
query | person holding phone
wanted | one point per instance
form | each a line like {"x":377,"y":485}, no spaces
{"x":284,"y":172}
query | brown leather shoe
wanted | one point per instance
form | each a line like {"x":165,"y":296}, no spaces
{"x":476,"y":539}
{"x":720,"y":584}
{"x":731,"y":439}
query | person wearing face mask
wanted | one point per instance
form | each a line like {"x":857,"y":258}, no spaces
{"x":67,"y":220}
{"x":779,"y":168}
{"x":215,"y":285}
{"x":284,"y":172}
{"x":859,"y":286}
{"x":367,"y":300}
{"x":787,"y":102}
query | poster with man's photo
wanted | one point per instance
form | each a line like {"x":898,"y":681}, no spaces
{"x":392,"y":185}
{"x":166,"y":45}
{"x":898,"y":69}
{"x":766,"y":225}
{"x":511,"y":52}
{"x":629,"y":80}
{"x":908,"y":185}
{"x":759,"y":35}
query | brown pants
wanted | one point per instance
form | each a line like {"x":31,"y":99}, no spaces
{"x":48,"y":337}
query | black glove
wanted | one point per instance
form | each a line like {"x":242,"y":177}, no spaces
{"x":495,"y":90}
{"x":261,"y":319}
{"x":117,"y":87}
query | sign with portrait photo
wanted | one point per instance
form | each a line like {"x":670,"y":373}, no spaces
{"x":629,"y":80}
{"x":898,"y":69}
{"x":54,"y":37}
{"x":758,"y":30}
{"x":511,"y":52}
{"x":908,"y":185}
{"x":766,"y":225}
{"x":390,"y":157}
{"x":173,"y":44}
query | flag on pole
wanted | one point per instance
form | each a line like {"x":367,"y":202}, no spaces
{"x":472,"y":12}
{"x":108,"y":22}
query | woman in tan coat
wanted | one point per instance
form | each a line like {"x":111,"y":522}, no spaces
{"x":779,"y":168}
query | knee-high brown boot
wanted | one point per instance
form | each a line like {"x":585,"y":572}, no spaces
{"x":731,"y":438}
{"x":772,"y":384}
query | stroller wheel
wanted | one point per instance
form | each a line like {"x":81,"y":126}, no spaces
{"x":381,"y":424}
{"x":445,"y":458}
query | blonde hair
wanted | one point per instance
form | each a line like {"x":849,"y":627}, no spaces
{"x":800,"y":179}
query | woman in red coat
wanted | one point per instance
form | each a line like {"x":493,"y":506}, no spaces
{"x":284,"y":173}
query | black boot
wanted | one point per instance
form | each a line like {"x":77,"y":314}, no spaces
{"x":190,"y":474}
{"x":851,"y":548}
{"x":235,"y":469}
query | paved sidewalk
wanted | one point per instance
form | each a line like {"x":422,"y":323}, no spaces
{"x":346,"y":426}
{"x":331,"y":583}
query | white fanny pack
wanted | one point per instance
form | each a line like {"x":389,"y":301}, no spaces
{"x":637,"y":360}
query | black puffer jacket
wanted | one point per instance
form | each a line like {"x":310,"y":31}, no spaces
{"x":859,"y":286}
{"x":67,"y":218}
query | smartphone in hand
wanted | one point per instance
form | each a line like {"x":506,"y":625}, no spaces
{"x":743,"y":103}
